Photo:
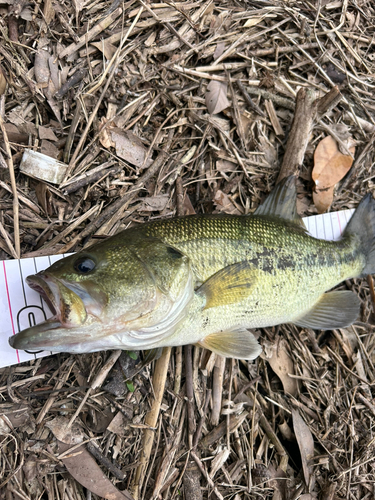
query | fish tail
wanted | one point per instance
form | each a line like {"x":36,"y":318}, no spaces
{"x":362,"y":224}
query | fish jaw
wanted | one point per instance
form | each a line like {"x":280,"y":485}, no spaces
{"x":68,"y":307}
{"x":68,"y":310}
{"x":46,"y":336}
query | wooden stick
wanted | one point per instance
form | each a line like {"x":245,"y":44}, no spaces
{"x":308,"y":112}
{"x":102,"y":25}
{"x":16,"y":217}
{"x":159,"y":379}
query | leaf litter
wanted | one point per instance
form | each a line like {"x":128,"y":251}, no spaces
{"x":169,"y":108}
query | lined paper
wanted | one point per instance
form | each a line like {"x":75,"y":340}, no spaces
{"x":21,"y":307}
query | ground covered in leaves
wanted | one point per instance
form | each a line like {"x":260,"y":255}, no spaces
{"x":150,"y":110}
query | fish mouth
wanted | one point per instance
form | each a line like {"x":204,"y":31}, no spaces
{"x":68,"y":309}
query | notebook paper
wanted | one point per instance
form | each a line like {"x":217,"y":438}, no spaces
{"x":21,"y":307}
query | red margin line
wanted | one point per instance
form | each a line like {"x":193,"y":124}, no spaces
{"x":10,"y":307}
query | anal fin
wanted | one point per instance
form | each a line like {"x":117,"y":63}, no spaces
{"x":337,"y":309}
{"x":239,"y":344}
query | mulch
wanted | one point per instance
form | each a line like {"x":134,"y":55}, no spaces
{"x":151,"y":110}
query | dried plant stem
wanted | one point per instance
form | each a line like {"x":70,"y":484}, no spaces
{"x":97,"y":382}
{"x":189,"y":393}
{"x":159,"y":379}
{"x":114,"y":64}
{"x":275,"y":441}
{"x":217,"y":389}
{"x":59,"y":384}
{"x":10,"y":246}
{"x":16,"y":223}
{"x":102,"y":25}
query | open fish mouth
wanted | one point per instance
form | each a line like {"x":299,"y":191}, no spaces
{"x":68,"y":311}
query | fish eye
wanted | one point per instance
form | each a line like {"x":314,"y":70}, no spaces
{"x":175,"y":254}
{"x":84,"y":265}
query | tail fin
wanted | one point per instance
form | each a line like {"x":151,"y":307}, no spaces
{"x":362,"y":224}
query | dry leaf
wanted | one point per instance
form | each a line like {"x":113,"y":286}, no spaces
{"x":49,"y":149}
{"x":129,"y":147}
{"x":46,"y":133}
{"x":224,"y":204}
{"x":44,"y":197}
{"x":154,"y":203}
{"x":106,"y":47}
{"x":118,"y":425}
{"x":330,"y":166}
{"x":226,"y":166}
{"x":305,"y":443}
{"x":68,"y":435}
{"x":13,"y":416}
{"x":323,"y":199}
{"x":216,"y":97}
{"x":219,"y":50}
{"x":80,"y":463}
{"x":105,"y":134}
{"x":41,"y":67}
{"x":282,"y":365}
{"x":188,"y":207}
{"x":221,"y":123}
{"x":83,"y":467}
{"x":253,"y":21}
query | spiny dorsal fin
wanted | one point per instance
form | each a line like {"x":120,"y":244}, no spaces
{"x":282,"y":202}
{"x":229,"y":285}
{"x":239,"y":344}
{"x":337,"y":309}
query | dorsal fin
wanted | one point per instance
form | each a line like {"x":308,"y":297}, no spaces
{"x":282,"y":202}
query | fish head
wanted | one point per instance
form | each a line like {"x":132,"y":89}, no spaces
{"x":120,"y":293}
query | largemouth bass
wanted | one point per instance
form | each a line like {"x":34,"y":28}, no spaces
{"x":204,"y":280}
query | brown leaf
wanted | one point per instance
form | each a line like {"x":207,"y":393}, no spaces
{"x":154,"y":203}
{"x":105,"y":134}
{"x":216,"y":97}
{"x":330,"y":166}
{"x":106,"y":47}
{"x":219,"y":50}
{"x":80,"y":463}
{"x":83,"y":467}
{"x":49,"y":149}
{"x":41,"y":67}
{"x":282,"y":365}
{"x":13,"y":416}
{"x":68,"y":435}
{"x":129,"y":147}
{"x":224,"y":203}
{"x":305,"y":443}
{"x":46,"y":133}
{"x":323,"y":199}
{"x":226,"y":166}
{"x":44,"y":197}
{"x":118,"y":425}
{"x":188,"y":207}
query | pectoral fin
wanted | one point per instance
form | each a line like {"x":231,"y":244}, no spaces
{"x":333,"y":310}
{"x":229,"y":285}
{"x":239,"y":344}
